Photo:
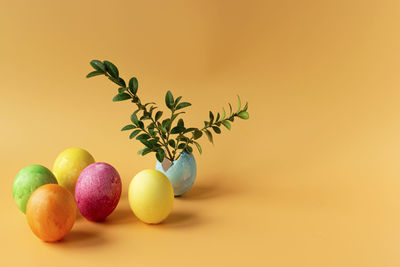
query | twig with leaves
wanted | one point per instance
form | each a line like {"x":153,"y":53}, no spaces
{"x":161,"y":135}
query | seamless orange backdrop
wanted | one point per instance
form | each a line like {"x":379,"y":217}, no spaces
{"x":312,"y":179}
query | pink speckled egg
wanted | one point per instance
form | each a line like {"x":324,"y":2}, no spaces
{"x":97,"y":191}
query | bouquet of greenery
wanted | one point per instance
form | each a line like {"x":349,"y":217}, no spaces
{"x":166,"y":137}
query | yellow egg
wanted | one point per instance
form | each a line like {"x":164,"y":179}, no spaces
{"x":69,"y":165}
{"x":151,"y":196}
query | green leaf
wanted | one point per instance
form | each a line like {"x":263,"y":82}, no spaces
{"x":181,"y":123}
{"x":133,"y":85}
{"x":217,"y":118}
{"x":94,"y":73}
{"x":145,"y":117}
{"x":211,"y":118}
{"x":143,"y":136}
{"x":144,"y":151}
{"x":146,"y":143}
{"x":177,"y":100}
{"x":243,"y":115}
{"x":182,"y":138}
{"x":230,"y":109}
{"x":197,"y":134}
{"x":141,"y":124}
{"x":239,"y":103}
{"x":209,"y":136}
{"x":115,"y":80}
{"x":169,"y":100}
{"x":154,"y":141}
{"x":227,"y":124}
{"x":121,"y":97}
{"x":141,"y":151}
{"x":162,"y":128}
{"x":111,"y":69}
{"x":171,"y":143}
{"x":183,"y":105}
{"x":181,"y":145}
{"x":134,"y":133}
{"x":121,"y":90}
{"x":216,"y":129}
{"x":190,"y":130}
{"x":198,"y":147}
{"x":98,"y":65}
{"x":122,"y":82}
{"x":223,"y":114}
{"x":158,"y":115}
{"x":128,"y":127}
{"x":134,"y":118}
{"x":160,"y":155}
{"x":167,"y":124}
{"x":177,"y":129}
{"x":189,"y":149}
{"x":246,"y":106}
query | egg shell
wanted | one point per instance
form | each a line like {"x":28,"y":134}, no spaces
{"x":98,"y":191}
{"x":28,"y":180}
{"x":69,"y":164}
{"x":151,"y":196}
{"x":182,"y":173}
{"x":51,"y":212}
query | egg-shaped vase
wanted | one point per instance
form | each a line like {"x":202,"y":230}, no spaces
{"x":182,"y":173}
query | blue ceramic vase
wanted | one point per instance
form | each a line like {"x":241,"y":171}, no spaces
{"x":181,"y":174}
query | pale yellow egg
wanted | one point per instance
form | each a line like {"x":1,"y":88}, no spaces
{"x":151,"y":196}
{"x":68,"y":166}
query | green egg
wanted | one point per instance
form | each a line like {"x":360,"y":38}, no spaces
{"x":28,"y":180}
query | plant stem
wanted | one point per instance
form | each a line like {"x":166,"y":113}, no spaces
{"x":144,"y":108}
{"x":191,"y":139}
{"x":171,"y":158}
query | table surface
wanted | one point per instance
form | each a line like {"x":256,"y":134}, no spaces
{"x":311,"y":179}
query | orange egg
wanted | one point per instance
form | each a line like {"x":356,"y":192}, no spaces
{"x":51,"y":212}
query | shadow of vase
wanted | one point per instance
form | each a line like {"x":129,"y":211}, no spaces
{"x":203,"y":191}
{"x":179,"y":219}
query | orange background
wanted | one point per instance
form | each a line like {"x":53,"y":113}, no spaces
{"x":312,"y":179}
